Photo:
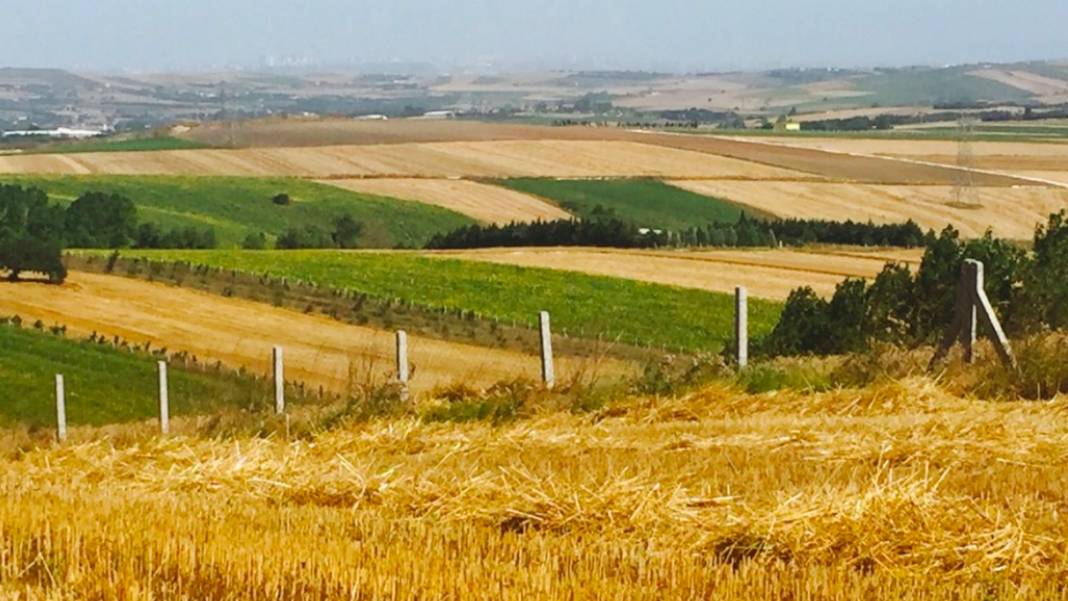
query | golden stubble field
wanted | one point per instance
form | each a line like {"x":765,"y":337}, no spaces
{"x":896,"y":491}
{"x":1008,"y":212}
{"x":319,"y":351}
{"x":770,"y":274}
{"x":482,"y":202}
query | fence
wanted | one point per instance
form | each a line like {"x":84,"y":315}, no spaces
{"x":403,"y":371}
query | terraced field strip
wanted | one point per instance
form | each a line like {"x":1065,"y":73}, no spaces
{"x":482,"y":202}
{"x":769,"y":274}
{"x":319,"y":351}
{"x":523,"y":158}
{"x":582,"y":306}
{"x":1009,"y":212}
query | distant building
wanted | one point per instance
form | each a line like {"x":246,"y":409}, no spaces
{"x":371,"y":118}
{"x":439,"y":115}
{"x":787,"y":126}
{"x":59,"y":132}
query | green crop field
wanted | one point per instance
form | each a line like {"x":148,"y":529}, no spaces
{"x":645,"y":202}
{"x":104,"y":384}
{"x":584,"y":305}
{"x":237,"y":206}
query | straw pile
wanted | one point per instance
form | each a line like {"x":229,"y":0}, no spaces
{"x":897,"y":491}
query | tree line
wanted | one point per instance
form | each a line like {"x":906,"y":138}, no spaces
{"x":747,"y":231}
{"x":1028,"y":290}
{"x":34,"y":231}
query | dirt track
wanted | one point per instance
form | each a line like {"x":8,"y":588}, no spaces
{"x":319,"y":351}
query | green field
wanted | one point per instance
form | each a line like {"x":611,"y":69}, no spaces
{"x":644,"y":202}
{"x":927,"y":87}
{"x":584,"y":305}
{"x":237,"y":206}
{"x":104,"y":384}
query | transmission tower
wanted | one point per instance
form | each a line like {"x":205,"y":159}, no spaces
{"x":964,"y":192}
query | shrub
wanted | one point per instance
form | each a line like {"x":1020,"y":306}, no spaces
{"x":282,"y":200}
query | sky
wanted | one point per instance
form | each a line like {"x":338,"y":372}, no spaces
{"x":669,"y":35}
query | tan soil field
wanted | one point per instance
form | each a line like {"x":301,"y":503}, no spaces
{"x":913,"y":148}
{"x":483,"y":202}
{"x":1048,"y":88}
{"x":769,"y":274}
{"x":318,"y":350}
{"x":811,"y":162}
{"x":1009,"y":212}
{"x":546,"y":158}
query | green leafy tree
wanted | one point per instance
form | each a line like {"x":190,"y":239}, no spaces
{"x":347,"y":232}
{"x":101,"y":220}
{"x":26,"y":253}
{"x":255,"y":241}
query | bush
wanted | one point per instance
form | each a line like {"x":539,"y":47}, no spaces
{"x":282,"y":200}
{"x":257,"y":241}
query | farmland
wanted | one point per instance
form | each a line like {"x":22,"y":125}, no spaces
{"x":241,"y":333}
{"x":105,"y":384}
{"x":768,"y":274}
{"x":895,"y":491}
{"x":647,"y":203}
{"x":582,"y":305}
{"x":481,"y":202}
{"x":510,"y":158}
{"x":1009,"y":212}
{"x":237,"y":206}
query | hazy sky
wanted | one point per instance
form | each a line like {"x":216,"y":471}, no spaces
{"x":664,"y":34}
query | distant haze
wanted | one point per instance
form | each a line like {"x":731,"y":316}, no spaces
{"x":669,"y":35}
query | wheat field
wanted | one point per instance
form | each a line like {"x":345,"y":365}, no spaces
{"x":896,"y":491}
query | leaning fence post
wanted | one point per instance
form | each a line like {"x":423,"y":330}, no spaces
{"x":741,"y":326}
{"x":164,"y":400}
{"x":547,"y":375}
{"x":402,"y":363}
{"x":972,"y":304}
{"x":279,"y":382}
{"x":61,"y":409}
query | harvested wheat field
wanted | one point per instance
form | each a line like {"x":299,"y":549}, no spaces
{"x":524,"y":158}
{"x":1009,"y":212}
{"x":896,"y":491}
{"x":239,"y":333}
{"x":769,"y":274}
{"x":482,"y":202}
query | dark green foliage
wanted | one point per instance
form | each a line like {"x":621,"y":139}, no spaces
{"x":101,"y":220}
{"x":347,"y":232}
{"x":1046,"y":281}
{"x":308,"y":236}
{"x":282,"y":200}
{"x":602,"y":228}
{"x":25,"y":253}
{"x":255,"y":241}
{"x":564,"y":232}
{"x":900,"y":308}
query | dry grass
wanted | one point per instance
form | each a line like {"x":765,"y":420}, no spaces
{"x":483,"y":202}
{"x":1010,"y":212}
{"x":519,"y":158}
{"x":240,"y":333}
{"x":770,"y":274}
{"x":896,"y":491}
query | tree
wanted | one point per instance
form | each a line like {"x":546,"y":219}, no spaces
{"x":282,"y":200}
{"x":347,"y":232}
{"x":101,"y":220}
{"x":308,"y":236}
{"x":255,"y":241}
{"x":20,"y":254}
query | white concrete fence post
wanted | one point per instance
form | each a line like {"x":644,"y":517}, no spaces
{"x":164,"y":400}
{"x":61,"y":409}
{"x":741,"y":326}
{"x":403,"y":373}
{"x":279,"y":381}
{"x":547,"y":375}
